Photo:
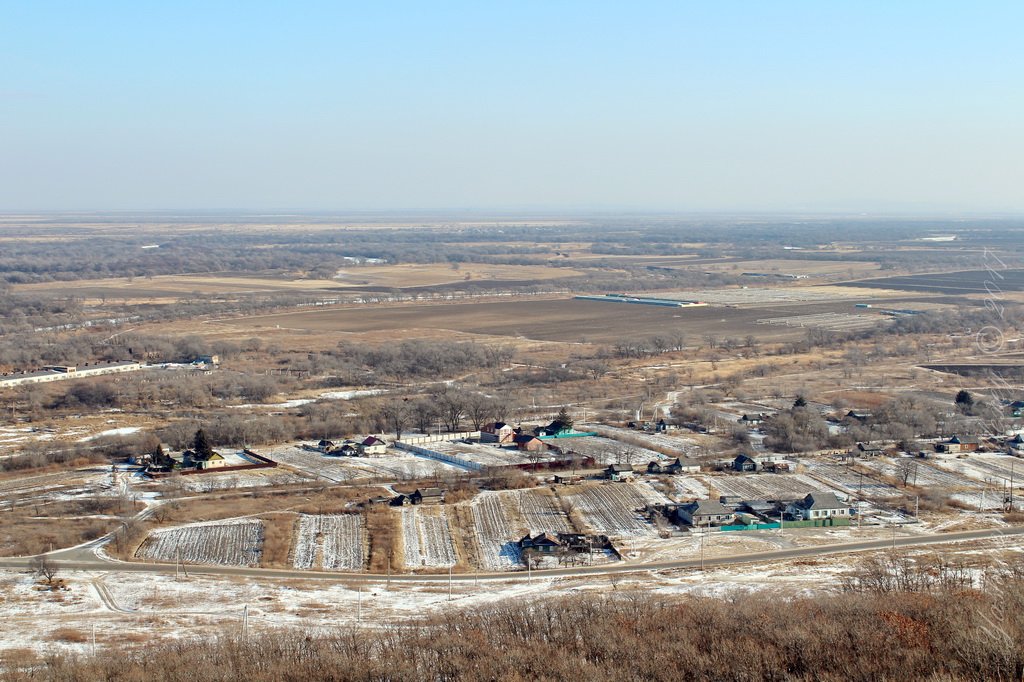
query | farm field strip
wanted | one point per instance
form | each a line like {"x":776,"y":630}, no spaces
{"x":399,"y":467}
{"x":988,"y":470}
{"x":834,"y":321}
{"x":848,"y":481}
{"x":542,"y":512}
{"x":690,"y":486}
{"x":333,"y":542}
{"x":922,"y":474}
{"x":343,"y":542}
{"x":612,"y":509}
{"x":227,"y":543}
{"x":608,"y":451}
{"x":496,"y":532}
{"x":678,"y":446}
{"x":766,"y":486}
{"x":427,"y":538}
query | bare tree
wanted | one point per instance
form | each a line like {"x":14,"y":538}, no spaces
{"x":452,"y":407}
{"x":424,"y":412}
{"x":479,"y":408}
{"x":44,"y":567}
{"x":906,"y":469}
{"x":395,"y":414}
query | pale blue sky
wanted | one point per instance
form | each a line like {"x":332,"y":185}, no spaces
{"x":716,"y":106}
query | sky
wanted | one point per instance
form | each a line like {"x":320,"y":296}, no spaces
{"x":866,"y":106}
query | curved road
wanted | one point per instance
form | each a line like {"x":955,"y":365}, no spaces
{"x":84,"y":558}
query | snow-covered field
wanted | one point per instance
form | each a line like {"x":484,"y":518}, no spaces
{"x":612,"y":508}
{"x":607,"y":451}
{"x":427,"y":538}
{"x":203,"y":483}
{"x":497,"y":531}
{"x":846,"y":480}
{"x":232,"y":542}
{"x":921,"y":473}
{"x":676,"y":445}
{"x":540,"y":511}
{"x":687,"y":486}
{"x":479,"y":453}
{"x":766,"y":486}
{"x":990,"y":470}
{"x":395,"y":465}
{"x":331,"y":542}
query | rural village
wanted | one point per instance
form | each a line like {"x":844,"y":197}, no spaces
{"x":410,"y":438}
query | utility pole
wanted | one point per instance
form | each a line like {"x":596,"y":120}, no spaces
{"x":449,"y":583}
{"x":917,"y":505}
{"x":94,"y":640}
{"x":245,"y":622}
{"x":1011,"y":485}
{"x":359,"y":605}
{"x":702,"y":552}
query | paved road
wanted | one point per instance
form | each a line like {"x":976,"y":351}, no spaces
{"x":85,"y":559}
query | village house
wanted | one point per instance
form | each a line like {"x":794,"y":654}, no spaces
{"x":818,"y":506}
{"x":325,"y":445}
{"x":427,"y":496}
{"x":744,"y":463}
{"x":372,"y":445}
{"x":676,"y":466}
{"x":528,"y":443}
{"x":752,"y":420}
{"x":619,"y":472}
{"x":871,"y":449}
{"x":497,"y":432}
{"x":1016,"y":443}
{"x":704,"y":513}
{"x":958,"y":444}
{"x":759,"y":463}
{"x":554,"y":429}
{"x":192,"y":460}
{"x":544,"y":543}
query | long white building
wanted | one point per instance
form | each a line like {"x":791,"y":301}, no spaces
{"x":64,"y":372}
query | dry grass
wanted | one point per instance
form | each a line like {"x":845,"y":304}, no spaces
{"x":278,"y":530}
{"x":70,"y":635}
{"x":22,"y":535}
{"x":384,"y":528}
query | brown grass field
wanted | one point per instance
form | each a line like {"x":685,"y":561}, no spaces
{"x":396,"y":276}
{"x":565,"y":320}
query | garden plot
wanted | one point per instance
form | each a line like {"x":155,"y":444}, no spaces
{"x":485,"y":455}
{"x":392,"y":466}
{"x":919,"y":473}
{"x":427,"y":538}
{"x":766,"y":486}
{"x":203,"y":483}
{"x":988,"y":469}
{"x":832,"y":321}
{"x":612,"y":509}
{"x":230,"y":543}
{"x":332,"y":542}
{"x":661,"y":444}
{"x":607,"y":451}
{"x":497,"y":530}
{"x":847,"y":480}
{"x":690,"y":487}
{"x":541,"y":511}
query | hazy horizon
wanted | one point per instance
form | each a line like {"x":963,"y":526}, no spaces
{"x":787,"y":109}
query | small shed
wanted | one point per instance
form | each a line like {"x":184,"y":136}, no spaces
{"x":428,"y":496}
